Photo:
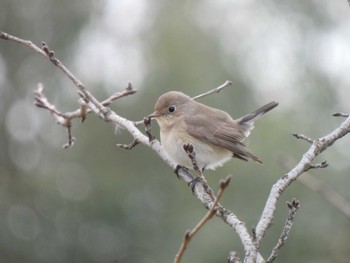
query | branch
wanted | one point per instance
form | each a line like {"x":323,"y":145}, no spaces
{"x":317,"y":147}
{"x":324,"y":190}
{"x":109,"y":116}
{"x":129,"y":146}
{"x":293,"y":208}
{"x":65,"y":119}
{"x":250,"y":246}
{"x":216,"y":90}
{"x":190,"y":233}
{"x":303,"y":137}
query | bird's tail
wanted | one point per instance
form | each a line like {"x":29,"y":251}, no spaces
{"x":247,"y":122}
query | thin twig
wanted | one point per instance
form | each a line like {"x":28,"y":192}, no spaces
{"x":323,"y":164}
{"x":148,"y":128}
{"x":42,"y":102}
{"x":129,"y":146}
{"x":62,"y":118}
{"x":293,"y":208}
{"x":65,"y":119}
{"x":216,"y":90}
{"x":190,"y":233}
{"x":191,"y":153}
{"x":303,"y":137}
{"x":316,"y":185}
{"x":189,"y":149}
{"x":129,"y":90}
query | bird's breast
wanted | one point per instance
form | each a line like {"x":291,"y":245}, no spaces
{"x":207,"y":155}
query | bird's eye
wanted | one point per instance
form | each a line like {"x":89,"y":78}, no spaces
{"x":171,"y":108}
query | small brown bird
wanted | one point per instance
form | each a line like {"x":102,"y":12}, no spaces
{"x":214,"y":134}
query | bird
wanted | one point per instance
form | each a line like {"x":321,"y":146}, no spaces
{"x":215,"y":136}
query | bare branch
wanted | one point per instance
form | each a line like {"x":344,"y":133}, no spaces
{"x":129,"y":90}
{"x":129,"y":146}
{"x":148,"y":128}
{"x":317,"y":147}
{"x":216,"y":90}
{"x":303,"y":137}
{"x":71,"y":139}
{"x":63,"y":119}
{"x":314,"y":184}
{"x":250,"y":246}
{"x":190,"y":233}
{"x":293,"y":208}
{"x":188,"y":147}
{"x":42,"y":102}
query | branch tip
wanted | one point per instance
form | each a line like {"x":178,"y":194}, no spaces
{"x":188,"y":147}
{"x":69,"y":144}
{"x":3,"y":35}
{"x":129,"y":146}
{"x":187,"y":235}
{"x":224,"y":183}
{"x":294,"y":204}
{"x":303,"y":137}
{"x":341,"y":114}
{"x":215,"y":90}
{"x":323,"y":164}
{"x":130,"y":88}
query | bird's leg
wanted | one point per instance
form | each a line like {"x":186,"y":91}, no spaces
{"x":189,"y":149}
{"x":178,"y":167}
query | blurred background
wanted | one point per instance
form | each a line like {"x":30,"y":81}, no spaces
{"x":98,"y":203}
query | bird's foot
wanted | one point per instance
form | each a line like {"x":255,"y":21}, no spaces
{"x":178,"y":167}
{"x":193,"y":183}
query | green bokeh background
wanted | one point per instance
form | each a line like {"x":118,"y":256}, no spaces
{"x":98,"y":203}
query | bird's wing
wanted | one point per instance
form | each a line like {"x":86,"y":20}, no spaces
{"x":220,"y":130}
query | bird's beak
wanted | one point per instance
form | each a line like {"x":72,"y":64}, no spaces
{"x":154,"y":115}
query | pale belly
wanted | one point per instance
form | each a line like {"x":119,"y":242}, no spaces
{"x":207,"y":156}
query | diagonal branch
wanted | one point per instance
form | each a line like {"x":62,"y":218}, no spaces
{"x":109,"y":116}
{"x":317,"y":147}
{"x":293,"y":209}
{"x":191,"y":233}
{"x":303,"y":137}
{"x":216,"y":90}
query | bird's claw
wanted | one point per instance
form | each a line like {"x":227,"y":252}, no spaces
{"x":193,"y":183}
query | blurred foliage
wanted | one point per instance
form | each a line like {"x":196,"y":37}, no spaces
{"x":97,"y":203}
